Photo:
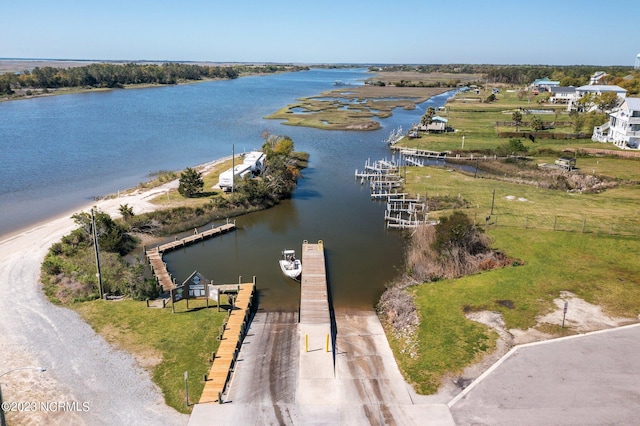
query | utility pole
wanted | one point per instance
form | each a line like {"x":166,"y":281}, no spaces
{"x":233,"y":167}
{"x":97,"y":250}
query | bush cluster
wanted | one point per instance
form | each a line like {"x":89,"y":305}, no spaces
{"x":69,"y":268}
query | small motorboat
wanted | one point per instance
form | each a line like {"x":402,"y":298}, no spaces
{"x":291,"y":267}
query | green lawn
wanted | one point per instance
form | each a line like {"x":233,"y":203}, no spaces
{"x":167,"y":344}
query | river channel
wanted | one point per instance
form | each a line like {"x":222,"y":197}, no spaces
{"x":59,"y":152}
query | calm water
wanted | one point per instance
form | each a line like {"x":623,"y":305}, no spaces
{"x":60,"y":152}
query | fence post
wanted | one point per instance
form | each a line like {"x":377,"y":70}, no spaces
{"x":584,"y":223}
{"x":555,"y":219}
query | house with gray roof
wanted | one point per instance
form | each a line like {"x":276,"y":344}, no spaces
{"x":596,"y":89}
{"x":544,"y":84}
{"x":562,"y":94}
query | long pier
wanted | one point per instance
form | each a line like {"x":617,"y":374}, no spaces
{"x":234,"y":330}
{"x":159,"y":267}
{"x":314,"y":303}
{"x":316,"y":363}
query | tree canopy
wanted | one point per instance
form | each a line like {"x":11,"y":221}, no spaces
{"x":113,"y":75}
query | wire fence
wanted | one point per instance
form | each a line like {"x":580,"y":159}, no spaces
{"x":585,"y":225}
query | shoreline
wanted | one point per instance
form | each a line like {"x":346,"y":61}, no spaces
{"x":37,"y":332}
{"x":119,"y":195}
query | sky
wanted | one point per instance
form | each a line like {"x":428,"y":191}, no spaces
{"x":558,"y":32}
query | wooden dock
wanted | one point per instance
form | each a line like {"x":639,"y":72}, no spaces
{"x":159,"y":267}
{"x":314,"y":298}
{"x":316,"y":368}
{"x":235,"y":328}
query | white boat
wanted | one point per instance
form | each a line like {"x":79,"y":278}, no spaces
{"x":291,"y":267}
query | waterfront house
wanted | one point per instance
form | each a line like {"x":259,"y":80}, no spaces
{"x":438,"y":124}
{"x":623,"y":127}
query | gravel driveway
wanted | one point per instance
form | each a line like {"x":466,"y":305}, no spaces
{"x":87,"y":381}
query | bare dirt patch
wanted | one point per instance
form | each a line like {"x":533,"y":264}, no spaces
{"x":581,"y":317}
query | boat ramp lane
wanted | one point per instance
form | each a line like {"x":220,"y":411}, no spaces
{"x":316,"y":362}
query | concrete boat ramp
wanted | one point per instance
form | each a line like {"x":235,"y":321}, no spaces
{"x":289,"y":373}
{"x":302,"y":369}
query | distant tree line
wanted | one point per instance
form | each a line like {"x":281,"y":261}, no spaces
{"x":112,"y":75}
{"x":573,"y":75}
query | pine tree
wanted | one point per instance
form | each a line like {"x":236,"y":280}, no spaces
{"x":190,"y":183}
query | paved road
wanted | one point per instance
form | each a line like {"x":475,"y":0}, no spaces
{"x":591,"y":379}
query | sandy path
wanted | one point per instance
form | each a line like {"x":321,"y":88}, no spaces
{"x":106,"y":385}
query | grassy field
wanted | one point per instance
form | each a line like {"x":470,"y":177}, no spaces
{"x":594,"y":267}
{"x":174,"y":199}
{"x":523,"y":206}
{"x":476,"y":121}
{"x":584,"y":243}
{"x":166,"y":344}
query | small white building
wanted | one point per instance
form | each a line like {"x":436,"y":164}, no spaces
{"x":227,"y":179}
{"x":623,"y":127}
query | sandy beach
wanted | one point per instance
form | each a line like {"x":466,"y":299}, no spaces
{"x":81,"y":366}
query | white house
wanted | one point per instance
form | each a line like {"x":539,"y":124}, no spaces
{"x":623,"y":127}
{"x":562,"y":94}
{"x":596,"y":89}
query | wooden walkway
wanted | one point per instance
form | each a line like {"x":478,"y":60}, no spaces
{"x":314,"y":298}
{"x":154,"y":255}
{"x":235,"y":329}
